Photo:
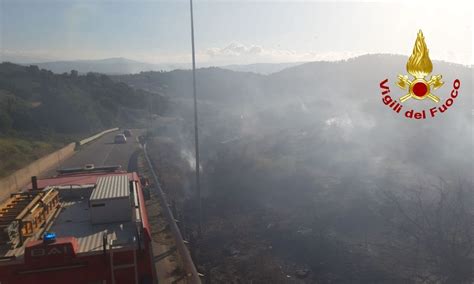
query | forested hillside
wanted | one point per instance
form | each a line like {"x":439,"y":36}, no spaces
{"x":40,"y":111}
{"x":33,"y":100}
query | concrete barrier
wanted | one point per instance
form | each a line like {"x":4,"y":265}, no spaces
{"x":92,"y":138}
{"x":22,"y":177}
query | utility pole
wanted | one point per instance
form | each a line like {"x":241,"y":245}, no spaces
{"x":196,"y":134}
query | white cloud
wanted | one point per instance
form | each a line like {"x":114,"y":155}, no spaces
{"x":238,"y":53}
{"x":235,"y":49}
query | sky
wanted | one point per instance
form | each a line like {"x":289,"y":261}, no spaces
{"x":231,"y":32}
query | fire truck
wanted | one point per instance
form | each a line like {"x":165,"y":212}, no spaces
{"x":86,"y":225}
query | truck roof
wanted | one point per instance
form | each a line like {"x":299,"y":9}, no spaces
{"x":73,"y":216}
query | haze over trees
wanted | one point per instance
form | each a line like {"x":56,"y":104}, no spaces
{"x":307,"y":171}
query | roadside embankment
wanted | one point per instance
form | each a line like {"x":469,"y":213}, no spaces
{"x":21,"y":177}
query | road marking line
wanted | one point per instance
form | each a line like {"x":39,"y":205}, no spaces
{"x":108,"y":154}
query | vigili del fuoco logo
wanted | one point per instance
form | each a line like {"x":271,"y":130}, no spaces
{"x":417,"y":87}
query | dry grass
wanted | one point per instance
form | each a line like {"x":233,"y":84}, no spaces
{"x":16,"y":153}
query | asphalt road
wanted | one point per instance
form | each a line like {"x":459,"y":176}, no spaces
{"x":103,"y":152}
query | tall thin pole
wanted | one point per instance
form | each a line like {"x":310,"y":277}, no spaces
{"x":196,"y":135}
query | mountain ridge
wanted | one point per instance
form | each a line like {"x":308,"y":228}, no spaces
{"x":121,"y":65}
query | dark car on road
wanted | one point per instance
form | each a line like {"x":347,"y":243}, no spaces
{"x":120,"y":139}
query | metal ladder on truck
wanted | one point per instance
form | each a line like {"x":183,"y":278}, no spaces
{"x":114,"y":267}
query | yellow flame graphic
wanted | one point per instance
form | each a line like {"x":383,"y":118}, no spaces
{"x":419,"y":64}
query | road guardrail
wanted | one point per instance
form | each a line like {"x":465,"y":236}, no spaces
{"x":190,"y":270}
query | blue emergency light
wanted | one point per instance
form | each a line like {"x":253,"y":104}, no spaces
{"x":49,"y":237}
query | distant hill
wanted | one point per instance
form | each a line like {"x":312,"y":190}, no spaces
{"x":105,"y":66}
{"x":353,"y":79}
{"x":335,"y":100}
{"x":215,"y":84}
{"x":121,"y":66}
{"x":261,"y":68}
